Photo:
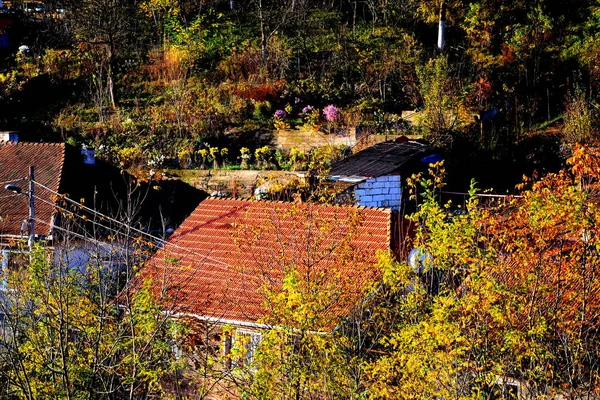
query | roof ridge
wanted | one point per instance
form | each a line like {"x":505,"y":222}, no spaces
{"x":13,"y":143}
{"x":339,"y":206}
{"x":62,"y":165}
{"x":250,"y":200}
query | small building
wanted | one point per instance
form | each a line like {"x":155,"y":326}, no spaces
{"x":227,"y":259}
{"x":375,"y":174}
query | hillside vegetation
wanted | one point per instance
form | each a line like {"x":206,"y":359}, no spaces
{"x":157,"y":83}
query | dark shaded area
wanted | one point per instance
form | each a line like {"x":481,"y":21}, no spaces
{"x":30,"y":109}
{"x":121,"y":195}
{"x":12,"y":32}
{"x":174,"y":200}
{"x":501,"y":171}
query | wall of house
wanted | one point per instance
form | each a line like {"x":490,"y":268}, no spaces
{"x":384,"y":191}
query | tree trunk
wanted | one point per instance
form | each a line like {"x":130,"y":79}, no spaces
{"x":263,"y":36}
{"x":109,"y":79}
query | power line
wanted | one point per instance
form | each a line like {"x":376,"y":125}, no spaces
{"x":161,"y":241}
{"x":96,"y":212}
{"x":499,"y":196}
{"x":13,"y":181}
{"x":95,"y":241}
{"x":80,"y":216}
{"x":66,"y":230}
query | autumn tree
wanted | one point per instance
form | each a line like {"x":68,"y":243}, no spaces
{"x":319,"y":274}
{"x":108,"y":27}
{"x":442,"y":109}
{"x":68,"y":333}
{"x":580,"y":120}
{"x":499,"y":294}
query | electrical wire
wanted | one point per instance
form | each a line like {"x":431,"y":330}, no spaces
{"x":98,"y":213}
{"x":65,"y":230}
{"x":161,"y":241}
{"x":499,"y":196}
{"x":13,"y":181}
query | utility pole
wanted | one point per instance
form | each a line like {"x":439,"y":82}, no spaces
{"x":31,"y":210}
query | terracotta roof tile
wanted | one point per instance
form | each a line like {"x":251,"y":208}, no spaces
{"x":15,"y":159}
{"x":219,"y":260}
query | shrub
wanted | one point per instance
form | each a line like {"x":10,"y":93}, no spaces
{"x":279,"y":120}
{"x":580,"y":121}
{"x":245,"y":157}
{"x":264,"y":156}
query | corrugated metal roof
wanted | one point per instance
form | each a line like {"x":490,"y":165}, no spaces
{"x":378,"y":160}
{"x":220,"y":260}
{"x":15,"y":159}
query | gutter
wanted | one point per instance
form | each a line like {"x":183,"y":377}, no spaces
{"x":221,"y":320}
{"x":243,"y":324}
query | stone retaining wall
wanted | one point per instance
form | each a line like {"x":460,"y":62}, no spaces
{"x":306,"y":139}
{"x":237,"y":183}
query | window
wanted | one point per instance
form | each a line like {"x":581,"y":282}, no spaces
{"x":505,"y":391}
{"x":247,"y":342}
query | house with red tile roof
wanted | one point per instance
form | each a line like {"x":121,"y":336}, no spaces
{"x":75,"y":173}
{"x":58,"y":168}
{"x":48,"y":160}
{"x":230,"y":257}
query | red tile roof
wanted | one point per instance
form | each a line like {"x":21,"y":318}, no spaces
{"x":15,"y":159}
{"x":220,"y":260}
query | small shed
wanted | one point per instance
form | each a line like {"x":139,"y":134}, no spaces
{"x":376,"y":173}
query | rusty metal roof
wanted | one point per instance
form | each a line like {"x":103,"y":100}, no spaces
{"x":221,"y":260}
{"x":381,"y":159}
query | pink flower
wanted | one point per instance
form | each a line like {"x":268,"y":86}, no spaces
{"x":307,"y":109}
{"x":332,"y":113}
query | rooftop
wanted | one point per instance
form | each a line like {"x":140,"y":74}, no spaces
{"x":15,"y":160}
{"x":379,"y":160}
{"x":228,"y":253}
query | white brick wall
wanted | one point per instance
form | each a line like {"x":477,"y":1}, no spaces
{"x":384,"y":191}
